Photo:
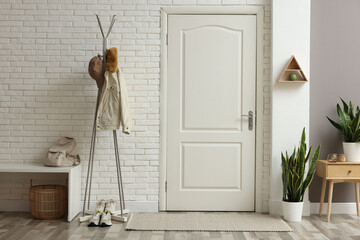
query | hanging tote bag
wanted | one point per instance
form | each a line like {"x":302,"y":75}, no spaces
{"x":63,"y":153}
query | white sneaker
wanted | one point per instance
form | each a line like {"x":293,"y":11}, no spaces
{"x":95,"y":220}
{"x":100,"y":205}
{"x":110,"y":205}
{"x":105,"y":219}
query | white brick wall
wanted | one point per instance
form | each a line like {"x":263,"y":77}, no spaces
{"x":46,"y":91}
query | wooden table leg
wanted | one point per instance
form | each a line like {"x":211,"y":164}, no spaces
{"x":357,"y":198}
{"x":331,"y":185}
{"x":323,"y":189}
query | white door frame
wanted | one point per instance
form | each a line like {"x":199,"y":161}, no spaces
{"x":221,"y":10}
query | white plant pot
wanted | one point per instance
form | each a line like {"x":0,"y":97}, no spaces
{"x":292,"y":211}
{"x":352,"y":151}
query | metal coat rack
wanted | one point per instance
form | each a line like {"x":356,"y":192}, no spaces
{"x":120,"y":215}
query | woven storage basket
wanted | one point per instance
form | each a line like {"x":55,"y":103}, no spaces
{"x":48,"y":201}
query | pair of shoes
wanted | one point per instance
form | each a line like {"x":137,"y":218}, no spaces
{"x":103,"y":205}
{"x":100,"y":219}
{"x":110,"y":205}
{"x":95,"y":220}
{"x":103,"y":212}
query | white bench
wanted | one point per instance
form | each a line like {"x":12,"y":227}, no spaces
{"x":74,"y":184}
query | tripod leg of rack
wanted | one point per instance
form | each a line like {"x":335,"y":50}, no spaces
{"x":94,"y":141}
{"x":87,"y":176}
{"x":91,"y":155}
{"x":118,"y":172}
{"x":89,"y":167}
{"x":118,"y":159}
{"x":88,"y":172}
{"x":92,"y":167}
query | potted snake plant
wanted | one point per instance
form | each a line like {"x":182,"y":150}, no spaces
{"x":296,"y":179}
{"x":349,"y":125}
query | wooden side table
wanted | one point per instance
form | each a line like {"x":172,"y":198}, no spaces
{"x":336,"y":172}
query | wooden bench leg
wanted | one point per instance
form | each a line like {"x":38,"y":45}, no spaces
{"x":357,"y":198}
{"x":323,"y":189}
{"x":331,"y":186}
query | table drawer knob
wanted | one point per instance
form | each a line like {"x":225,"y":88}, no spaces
{"x":349,"y":171}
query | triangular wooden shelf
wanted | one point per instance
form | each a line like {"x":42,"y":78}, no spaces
{"x":292,"y":67}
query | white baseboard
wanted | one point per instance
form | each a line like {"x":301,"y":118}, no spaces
{"x":336,"y":208}
{"x":132,"y":206}
{"x":275,"y":208}
{"x":24,"y":206}
{"x":15,"y":205}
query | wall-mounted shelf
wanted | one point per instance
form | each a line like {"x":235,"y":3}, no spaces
{"x":292,"y":67}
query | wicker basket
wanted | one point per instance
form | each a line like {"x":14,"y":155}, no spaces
{"x":48,"y":201}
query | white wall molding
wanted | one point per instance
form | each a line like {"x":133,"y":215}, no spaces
{"x":336,"y":208}
{"x":276,"y":208}
{"x":15,"y":205}
{"x":133,"y":206}
{"x":228,"y":10}
{"x":163,"y":111}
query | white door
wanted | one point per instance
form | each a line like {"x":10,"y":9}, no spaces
{"x":211,"y":84}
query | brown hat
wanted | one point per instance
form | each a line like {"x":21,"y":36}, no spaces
{"x":95,"y":70}
{"x":112,"y":60}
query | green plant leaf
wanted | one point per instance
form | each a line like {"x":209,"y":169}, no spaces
{"x":335,"y":124}
{"x":285,"y":172}
{"x":311,"y":170}
{"x":351,"y":110}
{"x":356,"y":137}
{"x":300,"y":165}
{"x":303,"y":137}
{"x":346,"y":108}
{"x":340,"y":114}
{"x":293,"y":170}
{"x":344,"y":123}
{"x":308,"y":155}
{"x":349,"y":121}
{"x":354,"y":127}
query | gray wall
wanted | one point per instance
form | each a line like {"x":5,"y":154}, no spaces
{"x":335,"y":65}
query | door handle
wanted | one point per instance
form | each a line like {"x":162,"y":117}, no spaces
{"x":251,"y":119}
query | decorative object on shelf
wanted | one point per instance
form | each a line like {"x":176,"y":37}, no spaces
{"x":294,"y":181}
{"x":48,"y":201}
{"x":349,"y":125}
{"x":332,"y":157}
{"x":342,"y":158}
{"x":292,"y":77}
{"x":292,"y":72}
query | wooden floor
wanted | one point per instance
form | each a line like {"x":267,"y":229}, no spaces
{"x":20,"y":225}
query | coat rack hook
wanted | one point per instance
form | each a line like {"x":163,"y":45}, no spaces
{"x":101,"y":29}
{"x":111,"y":25}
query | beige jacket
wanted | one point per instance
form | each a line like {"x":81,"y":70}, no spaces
{"x":114,"y":106}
